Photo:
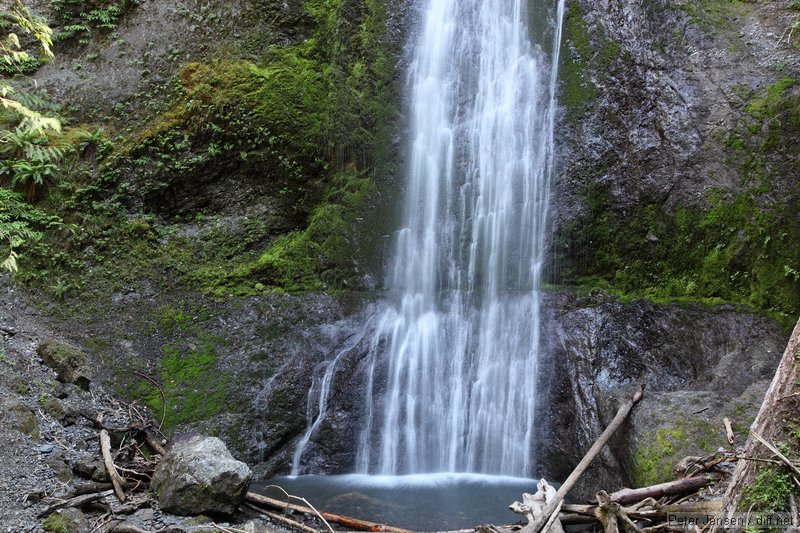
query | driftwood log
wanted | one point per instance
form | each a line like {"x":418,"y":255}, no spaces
{"x":346,"y":521}
{"x":116,"y":480}
{"x":679,"y":486}
{"x":533,"y":505}
{"x":612,"y":515}
{"x":553,"y":505}
{"x":781,"y":401}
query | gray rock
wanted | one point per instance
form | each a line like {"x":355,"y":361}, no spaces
{"x":68,"y":361}
{"x":54,"y":408}
{"x":59,"y":467}
{"x":20,"y":417}
{"x":91,"y":468}
{"x":199,"y":476}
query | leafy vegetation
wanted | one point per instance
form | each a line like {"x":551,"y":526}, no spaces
{"x":25,"y":158}
{"x":80,"y":18}
{"x":770,"y":490}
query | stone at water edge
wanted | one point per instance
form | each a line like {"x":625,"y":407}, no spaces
{"x":199,"y":476}
{"x":68,"y":361}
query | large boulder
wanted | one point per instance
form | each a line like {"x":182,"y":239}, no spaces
{"x":199,"y":476}
{"x":68,"y":361}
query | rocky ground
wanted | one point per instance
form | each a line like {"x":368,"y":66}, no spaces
{"x":48,"y":444}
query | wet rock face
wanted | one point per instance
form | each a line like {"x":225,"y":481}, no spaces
{"x":699,"y":365}
{"x":199,"y":476}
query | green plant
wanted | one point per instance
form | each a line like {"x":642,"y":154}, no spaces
{"x":13,"y":55}
{"x":82,"y":17}
{"x":770,"y":490}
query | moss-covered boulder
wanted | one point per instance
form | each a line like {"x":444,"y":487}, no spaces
{"x":68,"y":361}
{"x":66,"y":521}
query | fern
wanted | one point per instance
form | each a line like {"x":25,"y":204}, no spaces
{"x":17,"y":221}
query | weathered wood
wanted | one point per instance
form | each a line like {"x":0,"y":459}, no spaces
{"x":361,"y":525}
{"x":354,"y":523}
{"x":153,"y":442}
{"x":622,"y":414}
{"x":776,"y":452}
{"x":93,"y":487}
{"x":679,"y":486}
{"x":275,"y":504}
{"x":534,"y":505}
{"x":655,"y":512}
{"x":282,"y":519}
{"x":781,"y":401}
{"x":77,"y":501}
{"x":116,"y":480}
{"x":728,"y":429}
{"x":127,"y":528}
{"x":607,"y":512}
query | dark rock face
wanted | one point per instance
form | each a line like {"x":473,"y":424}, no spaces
{"x":68,"y":361}
{"x":199,"y":476}
{"x":699,"y":365}
{"x":665,"y":94}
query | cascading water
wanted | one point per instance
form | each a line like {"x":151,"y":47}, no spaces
{"x":463,"y":337}
{"x":451,"y":384}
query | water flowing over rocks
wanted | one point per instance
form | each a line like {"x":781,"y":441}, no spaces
{"x":651,"y":99}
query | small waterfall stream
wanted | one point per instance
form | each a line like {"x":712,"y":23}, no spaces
{"x":451,"y":384}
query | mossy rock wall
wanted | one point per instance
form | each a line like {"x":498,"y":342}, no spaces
{"x":678,"y":180}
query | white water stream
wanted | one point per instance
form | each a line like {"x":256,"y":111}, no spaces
{"x":453,"y":365}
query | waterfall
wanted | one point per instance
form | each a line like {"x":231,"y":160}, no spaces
{"x":452,"y":361}
{"x":453,"y":368}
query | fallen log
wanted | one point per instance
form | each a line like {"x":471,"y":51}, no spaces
{"x":93,"y":487}
{"x":282,"y":519}
{"x":116,"y":480}
{"x":353,"y":523}
{"x":622,"y":414}
{"x":127,"y":528}
{"x":679,"y":486}
{"x":252,"y":497}
{"x":658,"y":512}
{"x":533,"y":505}
{"x":361,"y":525}
{"x":612,"y":515}
{"x":77,"y":501}
{"x":153,"y":442}
{"x":782,"y":401}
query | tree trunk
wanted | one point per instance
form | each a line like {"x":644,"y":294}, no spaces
{"x":782,"y":402}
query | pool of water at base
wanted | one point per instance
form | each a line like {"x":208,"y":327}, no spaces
{"x":420,"y":502}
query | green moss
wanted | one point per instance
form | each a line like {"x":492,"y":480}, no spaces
{"x":776,"y":110}
{"x":656,"y":454}
{"x":653,"y":462}
{"x":57,"y":523}
{"x":713,"y":15}
{"x":320,"y":257}
{"x":735,"y":251}
{"x":740,"y":248}
{"x":194,"y":387}
{"x":578,"y":91}
{"x":588,"y":55}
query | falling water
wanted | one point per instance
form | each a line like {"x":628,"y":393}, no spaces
{"x":453,"y":367}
